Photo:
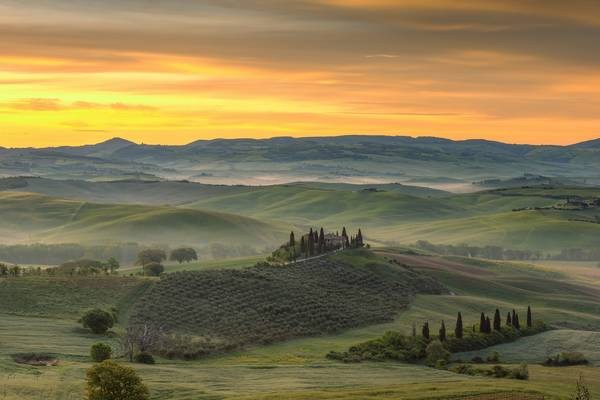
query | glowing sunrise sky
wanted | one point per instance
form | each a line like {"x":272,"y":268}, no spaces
{"x":82,"y":71}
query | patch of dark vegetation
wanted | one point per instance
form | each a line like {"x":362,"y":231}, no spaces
{"x":566,"y":359}
{"x":399,"y":347}
{"x":228,"y":309}
{"x":36,"y":359}
{"x":497,"y":371}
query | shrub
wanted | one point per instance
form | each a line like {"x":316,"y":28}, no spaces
{"x":100,"y":352}
{"x":494,"y":357}
{"x":153,"y":269}
{"x":97,"y":320}
{"x":521,"y":372}
{"x":436,"y":352}
{"x":566,"y":359}
{"x":144,"y":358}
{"x":111,"y":381}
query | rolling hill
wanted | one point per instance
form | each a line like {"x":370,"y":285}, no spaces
{"x":31,"y":217}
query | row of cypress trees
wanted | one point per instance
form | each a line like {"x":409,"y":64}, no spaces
{"x":314,"y":242}
{"x":485,"y":324}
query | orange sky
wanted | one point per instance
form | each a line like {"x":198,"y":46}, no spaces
{"x":173,"y":72}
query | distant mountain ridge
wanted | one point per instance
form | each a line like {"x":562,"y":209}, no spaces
{"x":351,"y":158}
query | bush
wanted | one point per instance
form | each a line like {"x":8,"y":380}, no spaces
{"x":522,"y":372}
{"x":436,"y":352}
{"x":153,"y":269}
{"x":494,"y":357}
{"x":566,"y":359}
{"x":111,"y":381}
{"x":100,"y":352}
{"x":144,"y":358}
{"x":97,"y":320}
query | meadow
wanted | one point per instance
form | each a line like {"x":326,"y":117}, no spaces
{"x":298,"y":368}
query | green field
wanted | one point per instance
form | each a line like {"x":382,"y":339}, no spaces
{"x":31,"y":217}
{"x":297,"y":369}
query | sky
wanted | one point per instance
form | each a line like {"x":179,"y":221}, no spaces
{"x":83,"y":71}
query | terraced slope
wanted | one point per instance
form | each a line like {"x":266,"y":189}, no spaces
{"x":263,"y":304}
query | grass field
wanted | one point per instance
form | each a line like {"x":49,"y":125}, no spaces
{"x":297,"y":369}
{"x":31,"y":217}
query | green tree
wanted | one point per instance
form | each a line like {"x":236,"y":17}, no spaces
{"x":435,"y":352}
{"x":153,"y":269}
{"x":442,"y":332}
{"x":497,"y":320}
{"x":359,"y":239}
{"x":112,"y":381}
{"x":508,"y":319}
{"x":112,"y":265}
{"x":97,"y":320}
{"x":100,"y":352}
{"x":516,"y":323}
{"x":148,"y":256}
{"x":482,"y":323}
{"x":529,"y":318}
{"x":303,"y":246}
{"x":425,"y":330}
{"x":458,"y":330}
{"x":292,"y":246}
{"x":183,"y":254}
{"x":321,"y":241}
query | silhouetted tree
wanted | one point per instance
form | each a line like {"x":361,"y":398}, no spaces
{"x":508,"y":319}
{"x":303,"y":246}
{"x":488,"y":325}
{"x":183,"y":254}
{"x":482,"y":323}
{"x":443,"y":332}
{"x":516,"y":323}
{"x":359,"y":239}
{"x":293,"y":246}
{"x":148,"y":256}
{"x":497,"y":320}
{"x":529,"y":319}
{"x":458,"y":331}
{"x":425,"y":330}
{"x":321,"y":241}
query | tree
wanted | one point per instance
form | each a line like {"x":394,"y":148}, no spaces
{"x":516,"y":323}
{"x":183,"y":254}
{"x":435,"y":352}
{"x":442,"y":332}
{"x":508,"y":319}
{"x":141,"y":338}
{"x":482,"y":323}
{"x":97,"y":320}
{"x":153,"y":269}
{"x":359,"y":239}
{"x":311,"y":243}
{"x":3,"y":270}
{"x":303,"y":246}
{"x":112,"y":265}
{"x":514,"y":318}
{"x":497,"y":320}
{"x":425,"y":330}
{"x":112,"y":381}
{"x":488,"y":325}
{"x":293,"y":246}
{"x":529,"y":319}
{"x":148,"y":256}
{"x":321,"y":241}
{"x":458,"y":331}
{"x":100,"y":352}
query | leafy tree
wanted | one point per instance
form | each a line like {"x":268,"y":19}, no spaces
{"x":148,"y":256}
{"x":529,"y":319}
{"x":425,"y":330}
{"x":3,"y":270}
{"x":153,"y":269}
{"x":183,"y":254}
{"x":100,"y":352}
{"x":436,"y":351}
{"x":442,"y":333}
{"x":497,"y":320}
{"x":97,"y":320}
{"x":112,"y":381}
{"x":144,"y":358}
{"x":458,"y":330}
{"x":112,"y":265}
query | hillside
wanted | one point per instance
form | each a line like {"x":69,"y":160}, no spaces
{"x":357,"y":159}
{"x":32,"y":217}
{"x":263,"y":304}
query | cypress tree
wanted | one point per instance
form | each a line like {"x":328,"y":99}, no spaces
{"x":488,"y":325}
{"x":311,"y":243}
{"x":322,"y":241}
{"x":303,"y":246}
{"x":482,"y":323}
{"x":529,"y":319}
{"x":443,"y":332}
{"x":516,"y":322}
{"x":458,"y":331}
{"x":497,"y":320}
{"x":293,"y":246}
{"x":425,"y":330}
{"x":514,"y":318}
{"x":508,"y":319}
{"x":359,"y":239}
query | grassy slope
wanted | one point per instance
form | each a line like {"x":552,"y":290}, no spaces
{"x":36,"y":217}
{"x":298,"y":370}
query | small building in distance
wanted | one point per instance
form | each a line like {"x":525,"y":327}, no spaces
{"x":333,"y":241}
